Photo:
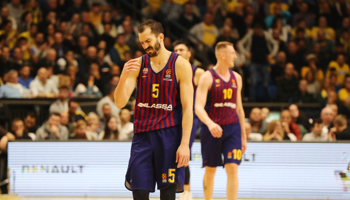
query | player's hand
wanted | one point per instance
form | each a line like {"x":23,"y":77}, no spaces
{"x":244,"y":145}
{"x":215,"y":130}
{"x":131,"y":66}
{"x":182,"y":155}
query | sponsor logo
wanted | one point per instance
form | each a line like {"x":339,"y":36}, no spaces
{"x":226,"y":104}
{"x":145,"y":72}
{"x":234,"y":84}
{"x":229,"y":155}
{"x":217,"y":82}
{"x":164,"y":176}
{"x":39,"y":169}
{"x":156,"y":106}
{"x":167,"y":75}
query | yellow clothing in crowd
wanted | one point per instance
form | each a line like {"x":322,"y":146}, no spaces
{"x":121,"y":50}
{"x":95,"y":19}
{"x":155,"y":4}
{"x":28,"y":36}
{"x":231,"y":5}
{"x":181,"y":2}
{"x":341,"y":71}
{"x":318,"y":76}
{"x":294,"y":30}
{"x":343,"y":94}
{"x":209,"y":34}
{"x":12,"y":38}
{"x":329,"y":32}
{"x":37,"y":15}
{"x":284,"y":6}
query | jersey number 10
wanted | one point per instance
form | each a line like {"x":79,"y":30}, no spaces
{"x":227,"y":93}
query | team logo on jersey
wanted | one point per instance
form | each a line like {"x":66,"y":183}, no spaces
{"x":167,"y":75}
{"x":145,"y":72}
{"x":164,"y":178}
{"x":229,"y":155}
{"x":217,"y":82}
{"x":234,"y":84}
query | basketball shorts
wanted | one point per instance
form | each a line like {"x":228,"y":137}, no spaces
{"x":153,"y":160}
{"x":220,"y":151}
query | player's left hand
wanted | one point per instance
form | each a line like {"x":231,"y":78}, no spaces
{"x":182,"y":155}
{"x":244,"y":145}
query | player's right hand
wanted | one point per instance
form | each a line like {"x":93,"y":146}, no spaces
{"x":215,"y":130}
{"x":131,"y":66}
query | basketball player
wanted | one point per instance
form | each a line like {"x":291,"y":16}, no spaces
{"x":183,"y":49}
{"x":219,"y":107}
{"x":164,"y":102}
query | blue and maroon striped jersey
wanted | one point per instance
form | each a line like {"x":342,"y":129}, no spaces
{"x":158,"y":104}
{"x":221,"y":100}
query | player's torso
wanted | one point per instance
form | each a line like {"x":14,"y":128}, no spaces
{"x":221,"y":100}
{"x":158,"y":102}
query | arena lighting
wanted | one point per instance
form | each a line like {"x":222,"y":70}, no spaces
{"x":268,"y":170}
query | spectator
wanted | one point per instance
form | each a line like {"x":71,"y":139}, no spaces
{"x":52,"y":77}
{"x":9,"y":32}
{"x":273,"y":5}
{"x":288,"y":125}
{"x":342,"y":69}
{"x":302,"y":95}
{"x":345,"y":25}
{"x":305,"y":15}
{"x":61,"y":104}
{"x":251,"y":136}
{"x":322,"y":25}
{"x":226,"y":35}
{"x":120,"y":48}
{"x":205,"y":31}
{"x":87,"y":88}
{"x":30,"y":34}
{"x":39,"y":47}
{"x":17,"y":58}
{"x":24,"y":78}
{"x":60,"y":45}
{"x":344,"y":41}
{"x":260,"y":48}
{"x":313,"y":87}
{"x":77,"y":8}
{"x":111,"y":131}
{"x":15,"y":10}
{"x":108,"y":99}
{"x":234,"y":32}
{"x":41,"y":86}
{"x":258,"y":125}
{"x":340,"y":131}
{"x":277,"y":12}
{"x":81,"y":132}
{"x":265,"y":112}
{"x":66,"y":61}
{"x":52,"y":130}
{"x":81,"y":48}
{"x":315,"y":71}
{"x":299,"y":118}
{"x":111,"y":29}
{"x":275,"y":131}
{"x":188,"y":19}
{"x":281,"y":30}
{"x":95,"y":15}
{"x":94,"y":123}
{"x":316,"y":135}
{"x":106,"y":114}
{"x":85,"y":62}
{"x":170,"y":10}
{"x":5,"y":15}
{"x":28,"y":54}
{"x":301,"y":25}
{"x":287,"y":84}
{"x":125,"y":127}
{"x":19,"y":132}
{"x":13,"y":89}
{"x":294,"y":56}
{"x":344,"y":94}
{"x":302,"y":42}
{"x":33,"y":7}
{"x":5,"y":62}
{"x":64,"y":121}
{"x":30,"y":123}
{"x":5,"y":136}
{"x":74,"y":112}
{"x":327,"y":116}
{"x":277,"y":69}
{"x":50,"y":60}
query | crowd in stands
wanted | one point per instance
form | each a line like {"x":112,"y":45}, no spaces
{"x":287,"y":51}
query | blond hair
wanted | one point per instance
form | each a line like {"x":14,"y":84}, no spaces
{"x":80,"y":123}
{"x":271,"y":129}
{"x":340,"y":120}
{"x":222,"y":45}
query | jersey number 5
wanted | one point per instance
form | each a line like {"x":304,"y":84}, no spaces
{"x":155,"y":90}
{"x":227,"y":93}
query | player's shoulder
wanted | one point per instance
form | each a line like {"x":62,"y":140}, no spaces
{"x":237,"y":75}
{"x":181,"y":62}
{"x":206,"y":78}
{"x":199,"y":71}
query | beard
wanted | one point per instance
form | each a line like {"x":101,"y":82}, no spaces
{"x":155,"y":50}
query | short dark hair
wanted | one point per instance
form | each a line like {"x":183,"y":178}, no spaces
{"x":316,"y":121}
{"x":300,"y":30}
{"x":120,"y":113}
{"x":155,"y":27}
{"x":72,"y":100}
{"x":64,"y":87}
{"x":178,"y":42}
{"x":55,"y":114}
{"x":31,"y":114}
{"x":16,"y":120}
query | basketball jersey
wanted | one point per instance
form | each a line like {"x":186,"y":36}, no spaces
{"x":221,"y":100}
{"x":158,"y":104}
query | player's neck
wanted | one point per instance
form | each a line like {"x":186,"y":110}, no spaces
{"x":221,"y":68}
{"x":163,"y":54}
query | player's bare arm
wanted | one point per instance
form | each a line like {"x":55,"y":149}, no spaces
{"x":204,"y":86}
{"x":197,"y":75}
{"x":127,"y":83}
{"x":240,"y":111}
{"x":184,"y":76}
